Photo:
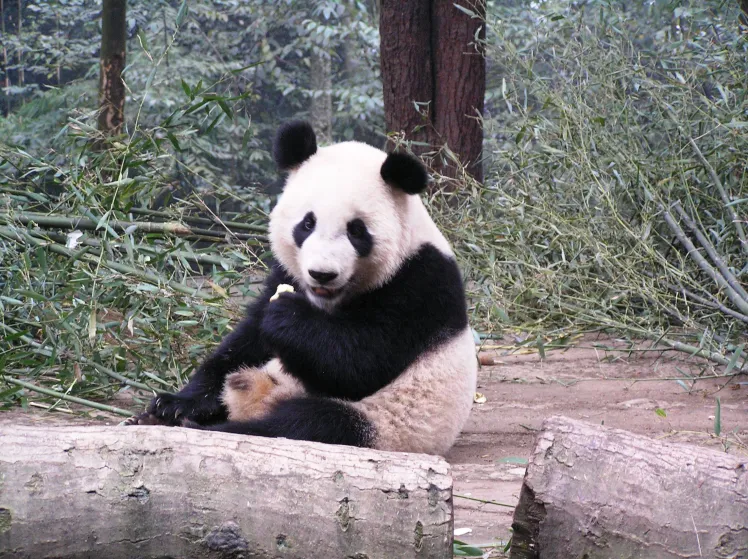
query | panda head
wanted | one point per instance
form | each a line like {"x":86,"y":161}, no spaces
{"x":344,"y":223}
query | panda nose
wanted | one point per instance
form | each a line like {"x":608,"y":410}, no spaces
{"x":323,"y":277}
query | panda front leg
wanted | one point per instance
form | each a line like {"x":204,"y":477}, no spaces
{"x":306,"y":418}
{"x":200,"y":401}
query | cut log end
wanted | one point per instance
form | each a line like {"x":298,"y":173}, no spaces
{"x":594,"y":492}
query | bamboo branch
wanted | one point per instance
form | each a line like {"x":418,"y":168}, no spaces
{"x":694,"y":351}
{"x":92,"y":259}
{"x":123,"y":379}
{"x":63,"y":396}
{"x":711,"y":251}
{"x":703,"y":264}
{"x":716,"y":305}
{"x":96,"y":243}
{"x":201,"y":220}
{"x":723,"y":194}
{"x":169,"y":228}
{"x":41,"y":220}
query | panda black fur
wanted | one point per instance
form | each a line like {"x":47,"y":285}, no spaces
{"x":373,"y":348}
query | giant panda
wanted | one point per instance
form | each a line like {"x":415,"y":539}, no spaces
{"x":372,"y":346}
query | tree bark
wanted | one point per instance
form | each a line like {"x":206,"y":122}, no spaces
{"x":460,"y":78}
{"x":407,"y":69}
{"x":21,"y":71}
{"x":113,"y":58}
{"x":434,"y":78}
{"x":6,"y":72}
{"x":321,"y":85}
{"x":148,"y":492}
{"x":593,"y":492}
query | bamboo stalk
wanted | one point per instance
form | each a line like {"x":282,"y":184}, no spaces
{"x":201,"y":220}
{"x":723,"y":194}
{"x":694,"y":351}
{"x":41,"y":220}
{"x":63,"y":396}
{"x":92,"y":259}
{"x":169,"y":228}
{"x":703,"y":264}
{"x":123,"y":379}
{"x":484,"y":501}
{"x":711,"y":251}
{"x":716,"y":305}
{"x":199,"y":258}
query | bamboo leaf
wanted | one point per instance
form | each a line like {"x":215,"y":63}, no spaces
{"x":463,"y":9}
{"x":734,"y":359}
{"x":181,"y":13}
{"x":187,"y":90}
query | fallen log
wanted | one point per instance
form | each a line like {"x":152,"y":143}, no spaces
{"x":591,"y":492}
{"x":147,"y":492}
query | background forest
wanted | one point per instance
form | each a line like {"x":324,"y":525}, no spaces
{"x":615,"y":134}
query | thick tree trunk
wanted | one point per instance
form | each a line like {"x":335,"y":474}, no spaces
{"x":593,"y":492}
{"x":460,"y":84}
{"x":434,"y":77}
{"x":407,"y":68}
{"x":113,"y":57}
{"x":148,"y":492}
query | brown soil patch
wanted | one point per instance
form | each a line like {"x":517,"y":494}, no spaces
{"x":611,"y":388}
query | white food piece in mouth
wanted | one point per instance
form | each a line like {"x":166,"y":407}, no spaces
{"x":282,"y":288}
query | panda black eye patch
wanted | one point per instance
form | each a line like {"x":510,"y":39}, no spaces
{"x":304,"y":228}
{"x":360,"y":237}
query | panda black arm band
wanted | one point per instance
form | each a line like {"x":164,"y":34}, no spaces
{"x":367,"y":343}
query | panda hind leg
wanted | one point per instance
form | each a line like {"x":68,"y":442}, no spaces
{"x":307,"y":418}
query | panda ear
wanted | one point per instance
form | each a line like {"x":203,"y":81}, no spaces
{"x":405,"y":172}
{"x":294,"y":143}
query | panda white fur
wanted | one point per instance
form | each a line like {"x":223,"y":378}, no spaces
{"x":373,"y":347}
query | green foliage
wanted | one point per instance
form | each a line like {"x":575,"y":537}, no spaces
{"x":100,"y":294}
{"x":590,"y":120}
{"x":256,"y":55}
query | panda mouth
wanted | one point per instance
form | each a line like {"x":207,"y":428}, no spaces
{"x":325,"y":292}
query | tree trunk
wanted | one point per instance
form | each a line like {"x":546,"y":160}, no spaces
{"x":593,"y":492}
{"x":21,"y":72}
{"x":5,"y":58}
{"x":148,"y":492}
{"x":434,"y":78}
{"x":460,"y":84}
{"x":321,"y":85}
{"x":407,"y":69}
{"x":113,"y":56}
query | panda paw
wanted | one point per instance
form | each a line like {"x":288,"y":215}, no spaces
{"x":283,"y":315}
{"x":142,"y":419}
{"x":173,"y":409}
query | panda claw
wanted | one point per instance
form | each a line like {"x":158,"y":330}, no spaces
{"x":142,"y":419}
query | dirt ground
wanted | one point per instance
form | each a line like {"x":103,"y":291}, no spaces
{"x":585,"y":382}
